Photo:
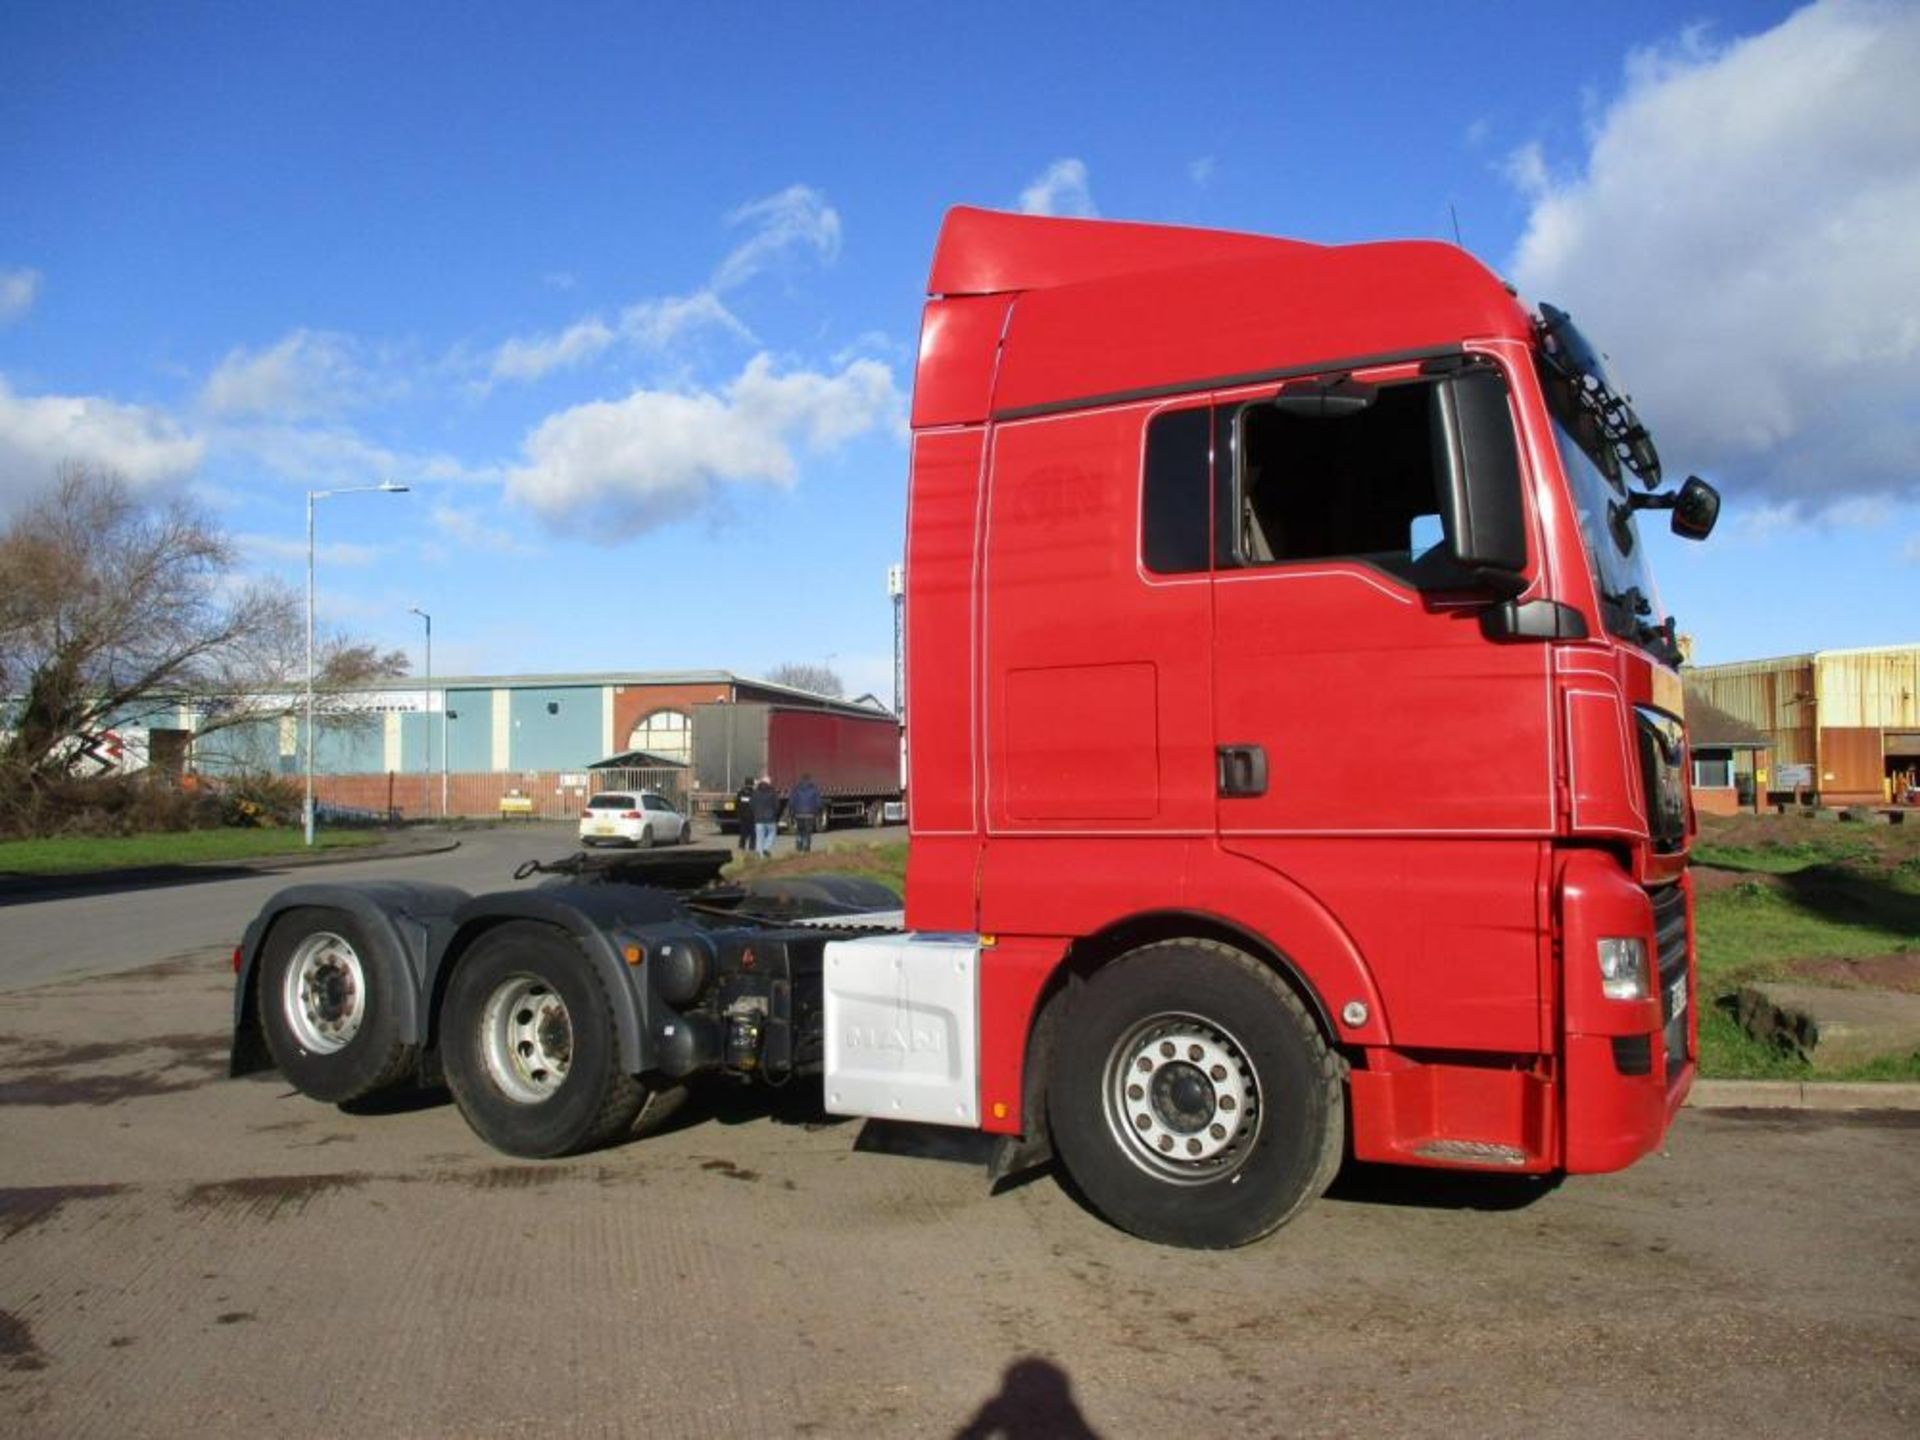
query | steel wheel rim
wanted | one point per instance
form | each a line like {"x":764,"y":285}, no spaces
{"x":1182,"y":1099}
{"x":324,"y":997}
{"x":526,"y":1038}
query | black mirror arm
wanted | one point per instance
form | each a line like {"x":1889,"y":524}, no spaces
{"x":1502,"y":584}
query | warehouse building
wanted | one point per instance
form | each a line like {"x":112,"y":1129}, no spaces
{"x":487,"y":745}
{"x":1843,"y":726}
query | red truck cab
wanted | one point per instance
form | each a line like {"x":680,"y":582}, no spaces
{"x":1287,"y":711}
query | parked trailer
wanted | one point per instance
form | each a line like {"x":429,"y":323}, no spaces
{"x":1299,"y":772}
{"x":853,"y":756}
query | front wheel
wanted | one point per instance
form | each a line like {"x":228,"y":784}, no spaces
{"x":530,"y":1050}
{"x":1192,"y":1099}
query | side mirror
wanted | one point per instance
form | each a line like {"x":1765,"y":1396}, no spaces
{"x":1695,"y":509}
{"x":1479,"y":460}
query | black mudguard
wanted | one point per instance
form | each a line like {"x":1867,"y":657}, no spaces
{"x":410,"y":920}
{"x":598,"y":917}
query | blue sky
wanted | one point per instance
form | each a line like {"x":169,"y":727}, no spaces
{"x":628,"y":294}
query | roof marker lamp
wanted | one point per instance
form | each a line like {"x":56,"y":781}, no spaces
{"x":1623,"y":969}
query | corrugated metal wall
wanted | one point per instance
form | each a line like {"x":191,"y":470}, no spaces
{"x":1830,"y":710}
{"x":1776,"y":696}
{"x":1869,"y":688}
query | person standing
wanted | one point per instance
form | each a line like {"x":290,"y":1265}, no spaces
{"x":804,"y":805}
{"x":765,"y":806}
{"x":743,"y":814}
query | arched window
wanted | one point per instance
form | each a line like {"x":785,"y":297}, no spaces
{"x":664,"y":732}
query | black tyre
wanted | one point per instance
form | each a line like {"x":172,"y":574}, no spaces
{"x":528,"y":1043}
{"x":686,"y":833}
{"x":645,"y":839}
{"x":1192,"y":1098}
{"x":876,"y":814}
{"x":329,"y":1006}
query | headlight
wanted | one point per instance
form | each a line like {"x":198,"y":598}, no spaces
{"x":1623,"y":969}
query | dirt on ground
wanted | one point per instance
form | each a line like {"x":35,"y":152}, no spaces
{"x":182,"y":1253}
{"x":1899,"y":971}
{"x":1890,"y":844}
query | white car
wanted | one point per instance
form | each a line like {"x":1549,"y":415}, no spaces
{"x":622,"y":817}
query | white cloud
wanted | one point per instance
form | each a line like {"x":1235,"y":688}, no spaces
{"x":18,"y":290}
{"x":559,"y":279}
{"x":621,"y":467}
{"x":648,"y":326}
{"x":467,"y":532}
{"x":37,"y":432}
{"x":530,"y":357}
{"x":1060,"y":189}
{"x":658,"y":324}
{"x":1200,"y":171}
{"x":798,"y":218}
{"x":308,"y":373}
{"x":1740,"y":239}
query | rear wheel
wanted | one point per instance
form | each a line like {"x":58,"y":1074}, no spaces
{"x":686,"y":833}
{"x":645,"y":838}
{"x":1192,"y":1099}
{"x":876,"y":814}
{"x":329,"y":1006}
{"x":530,"y":1049}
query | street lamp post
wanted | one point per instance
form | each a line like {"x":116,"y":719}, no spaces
{"x":385,"y":487}
{"x":426,"y":718}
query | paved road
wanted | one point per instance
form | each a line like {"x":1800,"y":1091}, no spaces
{"x":103,"y":930}
{"x":181,"y":1253}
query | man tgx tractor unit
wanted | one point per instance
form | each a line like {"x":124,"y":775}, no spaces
{"x":1295,"y":755}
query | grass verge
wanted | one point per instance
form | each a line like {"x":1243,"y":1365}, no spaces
{"x":883,"y":861}
{"x":1774,"y":892}
{"x":127,"y":852}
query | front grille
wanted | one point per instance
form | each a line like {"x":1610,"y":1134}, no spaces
{"x":1670,"y":940}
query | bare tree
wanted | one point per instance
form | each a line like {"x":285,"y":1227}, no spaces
{"x":113,"y":609}
{"x":805,"y":675}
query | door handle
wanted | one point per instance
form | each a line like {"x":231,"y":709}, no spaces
{"x":1243,"y":771}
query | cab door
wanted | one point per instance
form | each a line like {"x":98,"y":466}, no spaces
{"x":1372,"y":744}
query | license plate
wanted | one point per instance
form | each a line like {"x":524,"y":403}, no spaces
{"x":605,"y":829}
{"x":1677,"y":996}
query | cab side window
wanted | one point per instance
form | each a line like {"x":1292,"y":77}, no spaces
{"x":1362,"y":486}
{"x":1174,"y":500}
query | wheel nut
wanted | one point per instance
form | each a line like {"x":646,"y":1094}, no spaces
{"x":1145,"y":1063}
{"x":1166,"y":1049}
{"x":1141,"y":1122}
{"x":1166,"y":1142}
{"x":1219,"y":1132}
{"x":1193,"y":1147}
{"x":1134,"y":1092}
{"x":1227,"y":1102}
{"x":1195,"y":1053}
{"x":1218,"y":1072}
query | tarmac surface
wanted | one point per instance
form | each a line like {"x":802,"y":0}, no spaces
{"x":182,"y":1252}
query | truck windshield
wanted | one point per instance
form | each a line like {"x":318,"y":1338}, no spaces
{"x":1628,"y":600}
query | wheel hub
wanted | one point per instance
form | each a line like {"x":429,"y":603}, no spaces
{"x":1182,"y":1098}
{"x":526,"y":1037}
{"x":324,"y":999}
